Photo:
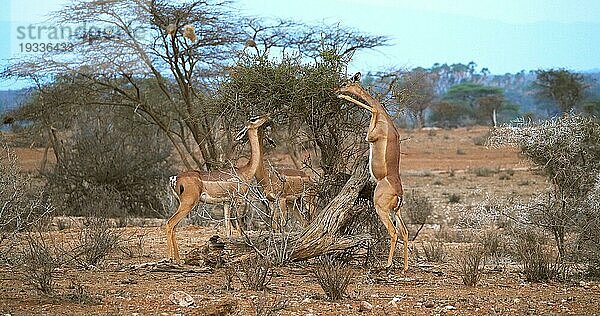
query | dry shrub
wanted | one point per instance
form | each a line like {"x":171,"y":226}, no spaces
{"x":97,"y":240}
{"x":111,"y":164}
{"x":434,"y":251}
{"x":79,"y":295}
{"x":254,"y":273}
{"x":481,"y":140}
{"x":278,"y":249}
{"x":228,"y":280}
{"x":417,"y":208}
{"x":471,"y":263}
{"x":133,"y":246}
{"x":566,"y":151}
{"x":366,"y":221}
{"x":588,"y":241}
{"x":483,"y":171}
{"x":274,"y":247}
{"x":492,"y":243}
{"x":262,"y":306}
{"x":454,"y":198}
{"x":333,"y":276}
{"x":21,"y":203}
{"x":539,"y":264}
{"x":39,"y":261}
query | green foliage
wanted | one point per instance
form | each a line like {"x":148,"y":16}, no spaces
{"x":561,"y":86}
{"x":508,"y":111}
{"x":480,"y":103}
{"x":415,"y":92}
{"x":470,"y":92}
{"x":451,"y":114}
{"x":591,"y":107}
{"x":300,"y":99}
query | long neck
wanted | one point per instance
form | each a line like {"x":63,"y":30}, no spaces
{"x":360,"y":92}
{"x":261,"y":172}
{"x":250,"y":168}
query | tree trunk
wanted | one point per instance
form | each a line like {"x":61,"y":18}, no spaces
{"x":323,"y":235}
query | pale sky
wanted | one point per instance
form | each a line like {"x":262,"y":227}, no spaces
{"x":504,"y":35}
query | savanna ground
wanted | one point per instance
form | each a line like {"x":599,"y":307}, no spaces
{"x":451,"y":167}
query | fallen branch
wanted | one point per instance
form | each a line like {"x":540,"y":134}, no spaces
{"x":166,"y":266}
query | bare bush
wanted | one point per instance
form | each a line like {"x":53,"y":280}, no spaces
{"x":96,"y":241}
{"x":230,"y":274}
{"x":492,"y":243}
{"x":133,"y":245}
{"x":434,"y":251}
{"x":38,"y":263}
{"x":278,"y":249}
{"x":481,"y":140}
{"x":21,"y":202}
{"x":366,"y":221}
{"x":588,"y":240}
{"x":567,"y":151}
{"x":273,"y":247}
{"x":486,"y":214}
{"x":417,"y":208}
{"x":333,"y":276}
{"x":262,"y":306}
{"x":471,"y":263}
{"x":110,"y":165}
{"x":538,"y":262}
{"x":78,"y":294}
{"x":483,"y":171}
{"x":454,"y":198}
{"x":254,"y":273}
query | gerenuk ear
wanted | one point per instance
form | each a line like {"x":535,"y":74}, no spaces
{"x":356,"y":77}
{"x":241,"y":135}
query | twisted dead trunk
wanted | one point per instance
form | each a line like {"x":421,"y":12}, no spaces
{"x":324,"y":234}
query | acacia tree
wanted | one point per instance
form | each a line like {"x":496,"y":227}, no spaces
{"x":299,"y":96}
{"x":415,"y":91}
{"x":565,"y":88}
{"x":479,"y":100}
{"x":155,"y":58}
{"x":489,"y":106}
